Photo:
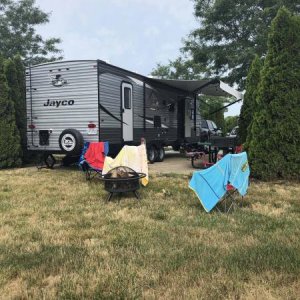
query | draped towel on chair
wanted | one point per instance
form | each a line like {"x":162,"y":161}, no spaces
{"x":210,"y":184}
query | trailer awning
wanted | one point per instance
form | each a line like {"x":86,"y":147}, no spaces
{"x":209,"y":87}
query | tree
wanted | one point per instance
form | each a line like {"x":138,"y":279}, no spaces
{"x":177,"y":69}
{"x":21,"y":105}
{"x":14,"y":73}
{"x":230,"y":33}
{"x":249,"y":104}
{"x":18,"y":20}
{"x":275,"y":145}
{"x":10,"y":149}
{"x":210,"y":108}
{"x":230,"y":123}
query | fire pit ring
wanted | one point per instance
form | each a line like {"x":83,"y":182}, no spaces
{"x":122,"y":180}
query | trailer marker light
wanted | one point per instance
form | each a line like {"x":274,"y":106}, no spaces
{"x":91,"y":125}
{"x":31,"y":126}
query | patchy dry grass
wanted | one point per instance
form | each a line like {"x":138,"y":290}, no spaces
{"x":60,"y":239}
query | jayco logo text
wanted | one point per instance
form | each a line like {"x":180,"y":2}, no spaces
{"x":58,"y":103}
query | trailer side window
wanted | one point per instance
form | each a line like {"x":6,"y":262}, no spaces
{"x":127,"y":98}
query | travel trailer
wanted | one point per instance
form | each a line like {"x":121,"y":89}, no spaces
{"x":72,"y":102}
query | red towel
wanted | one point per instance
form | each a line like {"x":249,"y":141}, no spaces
{"x":95,"y":155}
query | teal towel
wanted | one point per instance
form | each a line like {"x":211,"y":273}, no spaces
{"x":239,"y":172}
{"x":210,"y":184}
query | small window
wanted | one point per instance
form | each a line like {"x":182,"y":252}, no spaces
{"x":127,"y":98}
{"x":44,"y":137}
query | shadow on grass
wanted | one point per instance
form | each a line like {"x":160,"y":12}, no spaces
{"x":50,"y":259}
{"x":267,"y":257}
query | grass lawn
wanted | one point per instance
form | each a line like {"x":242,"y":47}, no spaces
{"x":60,"y":239}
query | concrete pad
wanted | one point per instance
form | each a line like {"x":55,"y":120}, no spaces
{"x":174,"y":162}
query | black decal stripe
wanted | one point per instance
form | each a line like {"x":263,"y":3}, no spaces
{"x":110,"y":114}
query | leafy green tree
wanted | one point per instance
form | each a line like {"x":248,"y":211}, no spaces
{"x":229,"y":35}
{"x":10,"y":149}
{"x":13,"y":70}
{"x":178,"y":69}
{"x":18,"y":21}
{"x":21,"y":105}
{"x":249,"y":104}
{"x":210,"y":109}
{"x":230,"y":123}
{"x":275,"y":145}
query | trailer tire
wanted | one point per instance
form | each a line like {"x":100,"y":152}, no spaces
{"x":160,"y":154}
{"x":71,"y":141}
{"x":151,"y":154}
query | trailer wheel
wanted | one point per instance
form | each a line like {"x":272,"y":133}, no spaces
{"x":152,"y":154}
{"x":71,"y":141}
{"x":160,"y":154}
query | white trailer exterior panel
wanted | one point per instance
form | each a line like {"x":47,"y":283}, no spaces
{"x":61,"y":95}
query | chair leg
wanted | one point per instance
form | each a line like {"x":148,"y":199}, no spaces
{"x":231,"y":198}
{"x":109,"y":197}
{"x":136,"y":195}
{"x":232,"y":205}
{"x":228,"y":201}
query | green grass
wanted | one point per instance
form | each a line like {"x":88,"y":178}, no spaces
{"x":60,"y":239}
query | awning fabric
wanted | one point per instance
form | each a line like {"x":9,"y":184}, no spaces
{"x":209,"y":87}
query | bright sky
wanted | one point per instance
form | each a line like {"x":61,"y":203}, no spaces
{"x":132,"y":34}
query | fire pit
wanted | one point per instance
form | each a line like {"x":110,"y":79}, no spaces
{"x":122,"y":180}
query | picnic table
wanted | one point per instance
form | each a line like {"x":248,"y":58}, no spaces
{"x":206,"y":153}
{"x":200,"y":152}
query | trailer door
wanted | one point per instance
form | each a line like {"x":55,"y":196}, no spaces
{"x":127,"y":112}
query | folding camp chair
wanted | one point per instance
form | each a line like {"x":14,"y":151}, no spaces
{"x":219,"y":185}
{"x":229,"y":201}
{"x":92,"y":158}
